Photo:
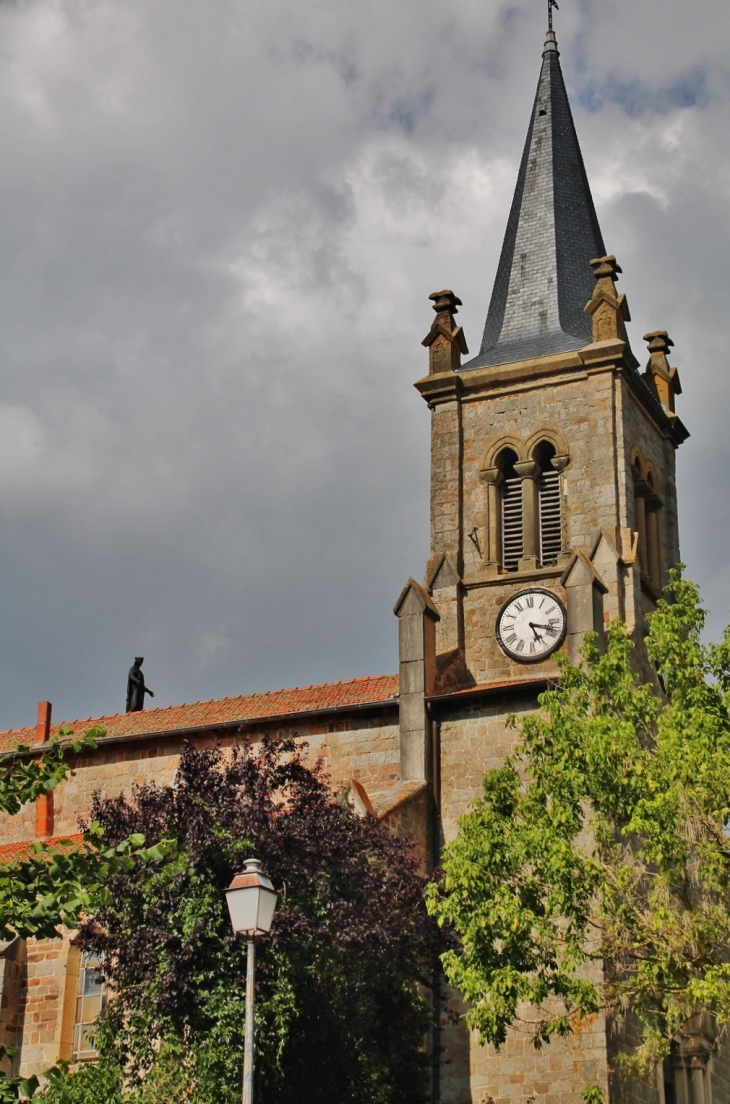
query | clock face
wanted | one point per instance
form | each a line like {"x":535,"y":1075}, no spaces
{"x":531,"y":625}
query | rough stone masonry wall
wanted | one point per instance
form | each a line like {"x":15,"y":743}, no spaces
{"x":446,"y":466}
{"x":50,"y":986}
{"x":18,"y":828}
{"x":475,"y":740}
{"x":597,"y":419}
{"x":578,"y":408}
{"x":576,"y":411}
{"x":641,"y":433}
{"x":361,"y":747}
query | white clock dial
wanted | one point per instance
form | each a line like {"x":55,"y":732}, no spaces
{"x":531,"y":625}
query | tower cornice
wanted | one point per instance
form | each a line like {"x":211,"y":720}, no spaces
{"x":613,"y":355}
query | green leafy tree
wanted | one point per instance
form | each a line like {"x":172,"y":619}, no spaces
{"x":594,"y":872}
{"x":53,"y":886}
{"x":341,"y":1011}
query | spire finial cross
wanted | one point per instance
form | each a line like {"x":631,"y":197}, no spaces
{"x":551,"y":4}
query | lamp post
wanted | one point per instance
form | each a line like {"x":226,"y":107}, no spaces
{"x":251,"y":903}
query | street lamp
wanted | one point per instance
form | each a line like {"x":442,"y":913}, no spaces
{"x":251,"y":902}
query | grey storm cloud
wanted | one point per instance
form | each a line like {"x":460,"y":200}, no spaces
{"x":219,"y":226}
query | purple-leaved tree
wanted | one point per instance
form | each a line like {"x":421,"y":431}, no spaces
{"x":342,"y":1002}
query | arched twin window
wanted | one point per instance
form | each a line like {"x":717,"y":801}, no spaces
{"x":647,"y":505}
{"x":526,"y":508}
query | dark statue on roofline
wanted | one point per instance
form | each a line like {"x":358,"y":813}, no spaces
{"x":136,"y":688}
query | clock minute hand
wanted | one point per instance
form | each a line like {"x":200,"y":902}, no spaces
{"x":533,"y":626}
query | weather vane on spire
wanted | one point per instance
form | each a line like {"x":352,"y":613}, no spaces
{"x":551,"y":4}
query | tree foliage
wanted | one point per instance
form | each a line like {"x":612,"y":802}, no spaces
{"x":341,"y":1016}
{"x":594,"y":872}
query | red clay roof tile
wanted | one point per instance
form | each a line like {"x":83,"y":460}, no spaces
{"x":11,"y":851}
{"x":489,"y":687}
{"x":225,"y":711}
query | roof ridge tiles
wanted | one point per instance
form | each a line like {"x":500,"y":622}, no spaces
{"x":230,"y":709}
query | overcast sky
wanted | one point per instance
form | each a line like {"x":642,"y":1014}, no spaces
{"x":220,"y":222}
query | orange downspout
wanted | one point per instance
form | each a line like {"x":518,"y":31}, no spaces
{"x":44,"y":802}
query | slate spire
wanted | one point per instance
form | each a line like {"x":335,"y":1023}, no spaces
{"x":544,"y":279}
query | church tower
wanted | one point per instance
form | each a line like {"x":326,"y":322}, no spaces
{"x":553,"y":511}
{"x":553,"y":455}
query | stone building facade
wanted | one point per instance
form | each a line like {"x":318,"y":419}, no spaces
{"x":552,"y":491}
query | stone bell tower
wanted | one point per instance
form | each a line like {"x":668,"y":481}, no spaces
{"x":553,"y":511}
{"x":553,"y":455}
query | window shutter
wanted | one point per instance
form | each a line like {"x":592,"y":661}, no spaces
{"x":550,"y":520}
{"x":511,"y":523}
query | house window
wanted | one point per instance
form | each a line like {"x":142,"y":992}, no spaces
{"x":91,"y":999}
{"x":511,"y":495}
{"x":550,"y":521}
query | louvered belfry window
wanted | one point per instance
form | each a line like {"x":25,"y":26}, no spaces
{"x":511,"y":523}
{"x":548,"y":525}
{"x":550,"y":517}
